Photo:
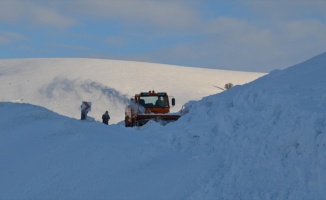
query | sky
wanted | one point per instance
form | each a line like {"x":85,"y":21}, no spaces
{"x":246,"y":35}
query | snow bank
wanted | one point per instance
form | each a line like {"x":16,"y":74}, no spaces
{"x":269,"y":136}
{"x":47,"y":156}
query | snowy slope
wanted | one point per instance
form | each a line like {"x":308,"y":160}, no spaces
{"x":62,"y":84}
{"x":269,"y":136}
{"x":263,"y":140}
{"x":55,"y":157}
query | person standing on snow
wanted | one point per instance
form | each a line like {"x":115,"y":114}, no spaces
{"x":106,"y":118}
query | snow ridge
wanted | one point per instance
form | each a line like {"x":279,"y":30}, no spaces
{"x":269,"y":136}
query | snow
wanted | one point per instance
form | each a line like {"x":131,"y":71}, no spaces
{"x":62,"y":84}
{"x":260,"y":140}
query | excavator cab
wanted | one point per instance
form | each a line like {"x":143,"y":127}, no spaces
{"x":155,"y":106}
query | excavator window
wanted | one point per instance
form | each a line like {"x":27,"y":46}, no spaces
{"x":153,"y":101}
{"x":160,"y":102}
{"x":142,"y":102}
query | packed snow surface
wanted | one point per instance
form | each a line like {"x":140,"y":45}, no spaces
{"x":262,"y":140}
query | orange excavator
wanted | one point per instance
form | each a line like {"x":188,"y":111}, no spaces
{"x":149,"y":106}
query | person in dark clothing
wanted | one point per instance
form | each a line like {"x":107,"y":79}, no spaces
{"x":106,"y":118}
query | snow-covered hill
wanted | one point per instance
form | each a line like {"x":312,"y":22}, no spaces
{"x":62,"y":84}
{"x":263,"y":140}
{"x":268,"y":137}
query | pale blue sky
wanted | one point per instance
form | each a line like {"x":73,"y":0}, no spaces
{"x":246,"y":35}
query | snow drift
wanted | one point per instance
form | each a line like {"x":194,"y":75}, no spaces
{"x":268,"y":136}
{"x":263,"y":140}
